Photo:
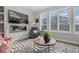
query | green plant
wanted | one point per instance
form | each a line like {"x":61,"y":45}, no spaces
{"x":48,"y":34}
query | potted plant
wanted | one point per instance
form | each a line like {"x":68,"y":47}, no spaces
{"x":47,"y":36}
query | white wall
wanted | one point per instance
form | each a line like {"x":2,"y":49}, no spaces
{"x":21,"y":9}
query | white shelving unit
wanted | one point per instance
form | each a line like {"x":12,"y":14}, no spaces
{"x":1,"y":19}
{"x":17,"y":30}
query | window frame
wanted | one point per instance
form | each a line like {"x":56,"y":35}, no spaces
{"x":41,"y":17}
{"x":50,"y":21}
{"x":74,"y":23}
{"x":58,"y":30}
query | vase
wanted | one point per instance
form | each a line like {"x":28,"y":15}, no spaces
{"x":46,"y":39}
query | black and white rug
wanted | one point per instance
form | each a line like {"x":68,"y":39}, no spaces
{"x":27,"y":46}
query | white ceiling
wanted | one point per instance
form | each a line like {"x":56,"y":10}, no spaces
{"x":36,"y":8}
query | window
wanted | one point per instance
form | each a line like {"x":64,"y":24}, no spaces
{"x":44,"y":21}
{"x":76,"y":14}
{"x":54,"y":20}
{"x":60,"y":20}
{"x":63,"y":17}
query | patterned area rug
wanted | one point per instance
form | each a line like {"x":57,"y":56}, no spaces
{"x":27,"y":46}
{"x":22,"y":46}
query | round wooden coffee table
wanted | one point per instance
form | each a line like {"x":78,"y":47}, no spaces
{"x":40,"y":41}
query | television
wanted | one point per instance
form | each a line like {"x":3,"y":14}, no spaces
{"x":16,"y":17}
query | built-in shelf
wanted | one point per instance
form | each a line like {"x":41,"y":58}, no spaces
{"x":1,"y":19}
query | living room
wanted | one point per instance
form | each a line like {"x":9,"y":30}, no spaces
{"x":61,"y":21}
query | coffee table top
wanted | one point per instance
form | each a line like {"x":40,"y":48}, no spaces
{"x":40,"y":41}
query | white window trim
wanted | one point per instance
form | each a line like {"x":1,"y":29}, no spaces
{"x":41,"y":16}
{"x":49,"y":21}
{"x":75,"y":32}
{"x":58,"y":30}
